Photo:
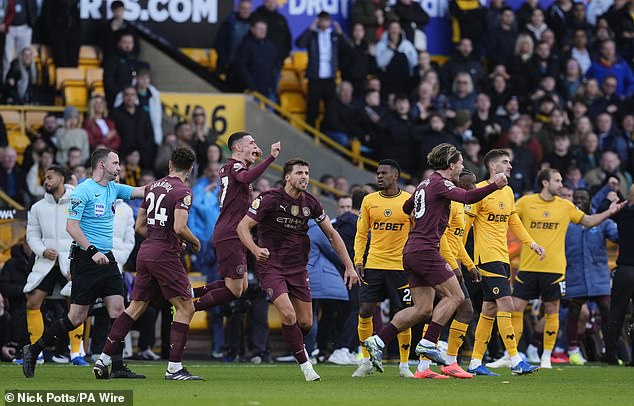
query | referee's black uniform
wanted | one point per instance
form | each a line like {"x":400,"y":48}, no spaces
{"x":622,"y":281}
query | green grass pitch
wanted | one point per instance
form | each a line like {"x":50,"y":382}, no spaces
{"x":283,"y":384}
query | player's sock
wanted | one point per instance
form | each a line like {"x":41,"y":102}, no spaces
{"x":117,"y":354}
{"x":550,"y":331}
{"x":431,"y":335}
{"x":387,"y":334}
{"x":364,"y":329}
{"x":505,"y":326}
{"x":173,"y":367}
{"x":201,"y":290}
{"x":295,"y":341}
{"x":178,"y":339}
{"x":404,"y":344}
{"x":457,"y":332}
{"x":118,"y":330}
{"x":57,"y":329}
{"x":482,"y":337}
{"x":35,"y":324}
{"x":214,"y":297}
{"x":572,"y":331}
{"x":75,"y":337}
{"x":423,"y":364}
{"x":517,"y":319}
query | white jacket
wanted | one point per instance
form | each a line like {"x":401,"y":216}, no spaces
{"x":156,"y":112}
{"x":46,"y":228}
{"x":36,"y":187}
{"x":384,"y":53}
{"x":123,"y":242}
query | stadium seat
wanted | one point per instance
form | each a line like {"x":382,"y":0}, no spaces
{"x":289,"y":82}
{"x":97,"y":91}
{"x":64,"y":74}
{"x":45,"y":54}
{"x":94,"y":77}
{"x":288,"y":63}
{"x":293,"y":102}
{"x":11,"y":119}
{"x":300,"y":61}
{"x":213,"y":59}
{"x":199,"y":55}
{"x":34,"y":119}
{"x":19,"y":142}
{"x":439,"y":59}
{"x":89,"y":56}
{"x":75,"y":93}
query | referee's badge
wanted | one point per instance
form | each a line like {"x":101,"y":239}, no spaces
{"x":387,"y":212}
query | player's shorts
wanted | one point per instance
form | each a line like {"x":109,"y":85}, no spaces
{"x":91,"y":281}
{"x":54,"y":277}
{"x":426,"y":268}
{"x":294,"y":281}
{"x":379,"y":285}
{"x":533,"y":285}
{"x":168,"y":277}
{"x":232,"y":259}
{"x":495,"y":280}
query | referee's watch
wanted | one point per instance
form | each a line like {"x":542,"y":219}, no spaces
{"x":92,"y":250}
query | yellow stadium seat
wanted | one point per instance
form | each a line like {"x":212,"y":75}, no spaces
{"x":97,"y":91}
{"x":11,"y":119}
{"x":94,"y":76}
{"x":293,"y":102}
{"x":439,"y":59}
{"x":288,"y":63}
{"x":299,"y":116}
{"x":213,"y":58}
{"x":18,"y":141}
{"x":64,"y":74}
{"x":289,"y":82}
{"x":45,"y":54}
{"x":199,"y":55}
{"x":35,"y":119}
{"x":75,"y":93}
{"x":300,"y":60}
{"x":89,"y":56}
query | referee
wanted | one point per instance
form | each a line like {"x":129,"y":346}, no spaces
{"x":93,"y":268}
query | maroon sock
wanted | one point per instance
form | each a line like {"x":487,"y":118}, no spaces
{"x":433,"y":332}
{"x":178,"y":338}
{"x":571,"y":329}
{"x":388,"y":333}
{"x":214,"y":298}
{"x":119,"y":329}
{"x":201,"y":290}
{"x":295,"y":340}
{"x":537,"y":338}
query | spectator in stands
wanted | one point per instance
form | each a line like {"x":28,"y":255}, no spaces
{"x":468,"y":20}
{"x":277,"y":27}
{"x":509,"y":113}
{"x":342,"y":184}
{"x":74,"y":158}
{"x":571,"y":79}
{"x":558,"y":16}
{"x":22,"y":85}
{"x":611,"y":139}
{"x":577,"y":21}
{"x":609,"y":166}
{"x":37,"y":172}
{"x":71,"y":135}
{"x":608,"y":101}
{"x":325,"y":46}
{"x":524,"y":13}
{"x":112,"y":28}
{"x":439,"y":100}
{"x":20,"y":17}
{"x":200,"y":126}
{"x":258,"y":62}
{"x":523,"y":162}
{"x":436,"y":133}
{"x":582,"y":126}
{"x":579,"y":50}
{"x":499,"y":92}
{"x":359,"y":61}
{"x":214,"y":154}
{"x":369,"y":119}
{"x":463,"y":93}
{"x":164,"y":153}
{"x":425,"y":64}
{"x":149,"y":100}
{"x":48,"y":130}
{"x":464,"y":60}
{"x":101,"y":130}
{"x":574,"y":178}
{"x":500,"y":41}
{"x":609,"y":63}
{"x":13,"y":177}
{"x":13,"y":277}
{"x":587,"y":157}
{"x":413,"y":20}
{"x":542,"y":64}
{"x":473,"y":158}
{"x":561,"y":158}
{"x":483,"y":123}
{"x":121,"y":68}
{"x":134,"y":128}
{"x":340,"y":121}
{"x":130,"y":169}
{"x":62,"y":26}
{"x":396,"y":58}
{"x":230,"y":34}
{"x":536,"y":25}
{"x":557,"y":125}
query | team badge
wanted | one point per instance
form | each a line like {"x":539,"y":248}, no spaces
{"x":496,"y":290}
{"x":100,"y":209}
{"x":255,"y":204}
{"x":187,"y":200}
{"x":306,"y":211}
{"x":449,"y":185}
{"x":467,"y":207}
{"x":294,"y":210}
{"x":237,"y":166}
{"x":501,"y":205}
{"x":448,"y":267}
{"x":387,"y":212}
{"x":240,"y":269}
{"x":546,"y":214}
{"x":269,"y":293}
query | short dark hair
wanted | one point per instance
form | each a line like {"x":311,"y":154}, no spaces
{"x":116,"y":4}
{"x":357,"y":199}
{"x":373,"y":185}
{"x":99,"y":155}
{"x":288,"y":165}
{"x":443,"y":155}
{"x":256,"y":20}
{"x":235,"y":137}
{"x":143,"y":71}
{"x":345,"y":196}
{"x":60,"y":171}
{"x":467,"y":172}
{"x":493,"y":155}
{"x":582,"y":189}
{"x":391,"y":163}
{"x":544,"y":175}
{"x":183,"y":159}
{"x":324,"y":15}
{"x":179,"y":125}
{"x":71,"y":149}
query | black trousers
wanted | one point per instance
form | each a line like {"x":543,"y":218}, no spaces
{"x":622,"y":293}
{"x":318,"y":89}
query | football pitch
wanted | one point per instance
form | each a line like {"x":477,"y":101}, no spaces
{"x":283,"y":384}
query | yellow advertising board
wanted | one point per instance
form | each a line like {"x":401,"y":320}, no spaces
{"x":225,"y":112}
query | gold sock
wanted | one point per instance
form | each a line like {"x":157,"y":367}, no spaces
{"x":364,"y":329}
{"x":457,"y":332}
{"x":35,"y":324}
{"x":505,"y":326}
{"x":551,"y":328}
{"x":517,"y":319}
{"x":482,"y":336}
{"x":404,"y":344}
{"x":75,"y":337}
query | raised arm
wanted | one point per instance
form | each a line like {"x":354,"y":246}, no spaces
{"x":253,"y":173}
{"x":595,"y":219}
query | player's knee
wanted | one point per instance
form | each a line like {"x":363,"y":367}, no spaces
{"x":305,"y":326}
{"x":32,"y":303}
{"x":288,"y":317}
{"x":465,"y":311}
{"x":551,"y":307}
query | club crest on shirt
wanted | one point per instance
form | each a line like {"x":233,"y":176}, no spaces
{"x":255,"y":204}
{"x":496,"y":290}
{"x":240,"y":269}
{"x":294,"y":210}
{"x":449,"y":185}
{"x":237,"y":166}
{"x":269,"y":293}
{"x":306,"y":211}
{"x":387,"y":213}
{"x":187,"y":200}
{"x":501,"y":205}
{"x":546,"y":214}
{"x":448,"y":267}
